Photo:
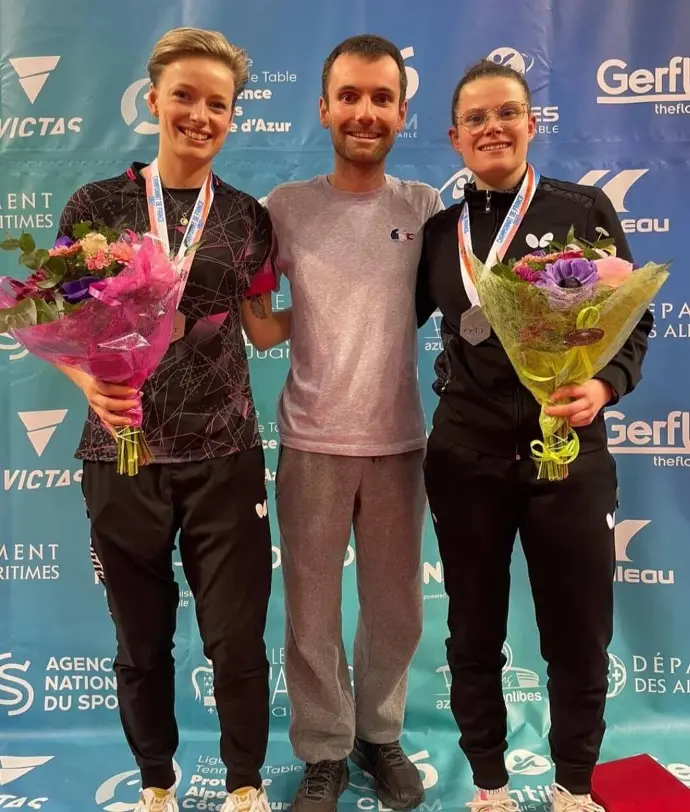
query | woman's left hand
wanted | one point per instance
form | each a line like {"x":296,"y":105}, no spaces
{"x":587,"y":401}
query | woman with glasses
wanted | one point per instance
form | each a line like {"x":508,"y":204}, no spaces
{"x":480,"y":478}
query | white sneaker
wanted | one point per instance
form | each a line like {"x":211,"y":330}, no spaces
{"x":157,"y":800}
{"x":564,"y":801}
{"x":498,"y":801}
{"x":246,"y":799}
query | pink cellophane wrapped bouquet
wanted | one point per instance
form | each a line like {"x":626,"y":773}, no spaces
{"x":102,"y":301}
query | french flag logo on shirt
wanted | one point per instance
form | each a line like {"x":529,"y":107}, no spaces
{"x":400,"y":235}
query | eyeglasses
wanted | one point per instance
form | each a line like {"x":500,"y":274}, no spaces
{"x":509,"y":114}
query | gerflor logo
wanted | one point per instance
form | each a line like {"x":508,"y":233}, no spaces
{"x":40,"y":426}
{"x":14,"y":767}
{"x":667,"y":441}
{"x":617,"y":185}
{"x":667,"y":87}
{"x":33,"y":73}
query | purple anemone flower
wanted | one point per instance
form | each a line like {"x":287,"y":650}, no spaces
{"x":78,"y":289}
{"x":63,"y":242}
{"x":568,"y":273}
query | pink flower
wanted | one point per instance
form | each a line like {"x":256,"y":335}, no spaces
{"x":613,"y":271}
{"x":122,"y":252}
{"x":526,"y":273}
{"x":98,"y":261}
{"x":65,"y":250}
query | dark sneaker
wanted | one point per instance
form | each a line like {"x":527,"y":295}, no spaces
{"x":322,"y":785}
{"x":396,"y":780}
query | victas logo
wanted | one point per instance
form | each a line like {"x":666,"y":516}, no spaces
{"x":667,"y":87}
{"x":524,"y":762}
{"x":666,"y":441}
{"x":14,"y":767}
{"x":120,"y":793}
{"x":40,"y":426}
{"x":617,"y":186}
{"x":16,"y":693}
{"x":133,"y":101}
{"x":625,"y":532}
{"x":14,"y":349}
{"x":32,"y":73}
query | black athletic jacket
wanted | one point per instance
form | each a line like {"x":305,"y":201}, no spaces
{"x":483,"y":405}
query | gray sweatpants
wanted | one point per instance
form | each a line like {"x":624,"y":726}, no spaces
{"x":320,"y":497}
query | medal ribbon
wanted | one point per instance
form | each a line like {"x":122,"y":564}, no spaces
{"x":195,"y":228}
{"x":508,"y":229}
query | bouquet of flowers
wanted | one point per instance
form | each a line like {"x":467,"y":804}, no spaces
{"x":102,"y":301}
{"x":561,"y":316}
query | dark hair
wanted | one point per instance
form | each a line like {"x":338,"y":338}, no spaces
{"x":370,"y":47}
{"x":487,"y":68}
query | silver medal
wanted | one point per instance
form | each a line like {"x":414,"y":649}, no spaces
{"x":474,"y":326}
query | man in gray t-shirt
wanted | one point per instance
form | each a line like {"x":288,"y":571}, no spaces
{"x":352,"y":434}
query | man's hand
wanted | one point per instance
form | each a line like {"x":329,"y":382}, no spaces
{"x":587,"y":401}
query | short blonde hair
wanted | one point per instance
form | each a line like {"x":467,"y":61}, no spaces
{"x":180,"y":43}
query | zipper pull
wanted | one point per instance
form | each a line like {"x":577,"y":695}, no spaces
{"x":487,"y":207}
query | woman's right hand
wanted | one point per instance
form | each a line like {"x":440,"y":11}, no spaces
{"x":109,"y":400}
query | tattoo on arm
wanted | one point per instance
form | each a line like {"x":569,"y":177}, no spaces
{"x":256,"y":305}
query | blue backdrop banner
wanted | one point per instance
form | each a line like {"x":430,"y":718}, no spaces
{"x":611,"y":89}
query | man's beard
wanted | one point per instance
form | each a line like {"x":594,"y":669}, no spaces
{"x":377,"y":156}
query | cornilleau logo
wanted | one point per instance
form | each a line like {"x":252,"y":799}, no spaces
{"x":512,"y":59}
{"x":40,"y":426}
{"x":626,"y":572}
{"x":14,"y":767}
{"x":624,"y":534}
{"x":33,"y":73}
{"x":617,"y":187}
{"x":130,"y":109}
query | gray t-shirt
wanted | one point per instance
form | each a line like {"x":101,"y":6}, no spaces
{"x":351,"y":260}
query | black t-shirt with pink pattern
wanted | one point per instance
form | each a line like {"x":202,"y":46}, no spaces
{"x":198,"y":404}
